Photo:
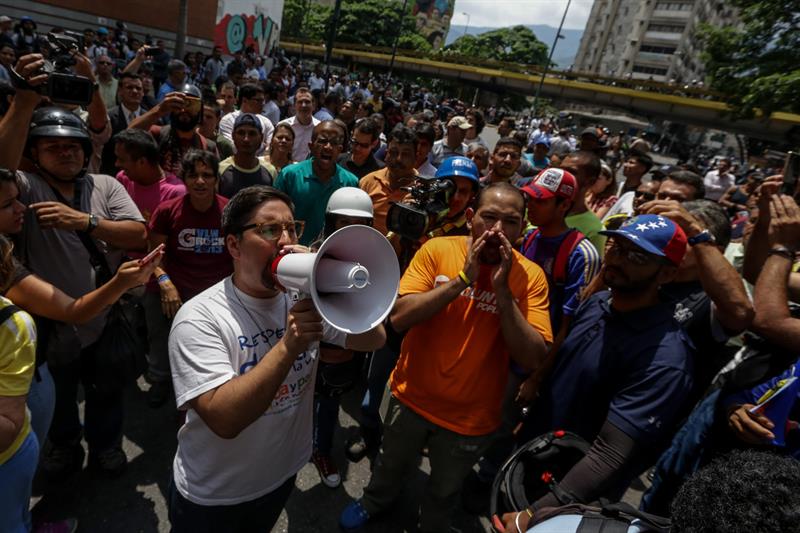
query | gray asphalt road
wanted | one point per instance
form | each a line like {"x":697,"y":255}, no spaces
{"x":136,"y":501}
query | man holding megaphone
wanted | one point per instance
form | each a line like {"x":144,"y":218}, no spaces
{"x":243,"y":358}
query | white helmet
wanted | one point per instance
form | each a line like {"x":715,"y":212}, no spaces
{"x":350,"y":201}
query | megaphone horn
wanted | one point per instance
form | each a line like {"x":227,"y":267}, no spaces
{"x":352,"y":279}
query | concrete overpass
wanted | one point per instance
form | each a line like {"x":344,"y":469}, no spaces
{"x":698,"y":109}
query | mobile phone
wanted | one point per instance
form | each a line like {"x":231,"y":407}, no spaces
{"x":151,"y":51}
{"x":152,"y":255}
{"x":791,"y":171}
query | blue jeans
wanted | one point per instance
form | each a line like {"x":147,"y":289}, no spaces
{"x":257,"y":515}
{"x":42,"y":402}
{"x":16,"y":481}
{"x":380,"y":369}
{"x":103,"y":410}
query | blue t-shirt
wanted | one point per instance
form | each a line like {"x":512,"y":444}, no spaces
{"x":634,"y":369}
{"x":310,"y":195}
{"x":792,"y":436}
{"x":583,"y":264}
{"x":538,"y":164}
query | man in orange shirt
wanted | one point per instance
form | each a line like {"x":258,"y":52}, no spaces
{"x":383,"y":186}
{"x":447,"y":389}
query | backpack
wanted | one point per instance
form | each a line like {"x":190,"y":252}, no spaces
{"x":565,"y":249}
{"x":607,"y":518}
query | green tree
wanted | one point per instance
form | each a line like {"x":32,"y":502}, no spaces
{"x":756,"y":65}
{"x":364,"y":22}
{"x":305,"y":19}
{"x":511,"y":45}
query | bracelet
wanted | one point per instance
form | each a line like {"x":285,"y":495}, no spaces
{"x":163,"y":278}
{"x":782,"y":251}
{"x":464,"y":278}
{"x":530,"y":513}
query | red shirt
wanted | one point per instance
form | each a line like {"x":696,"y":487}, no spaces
{"x":196,"y":256}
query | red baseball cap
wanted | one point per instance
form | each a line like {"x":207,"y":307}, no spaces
{"x":552,"y":182}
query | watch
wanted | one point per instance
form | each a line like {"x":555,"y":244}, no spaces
{"x":703,"y":236}
{"x":93,"y":223}
{"x":782,"y":251}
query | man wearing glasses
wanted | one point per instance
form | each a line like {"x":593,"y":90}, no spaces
{"x":104,"y":69}
{"x":310,"y":183}
{"x":244,"y":356}
{"x":366,"y":137}
{"x":624,"y":374}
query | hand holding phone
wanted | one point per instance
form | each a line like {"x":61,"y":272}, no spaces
{"x":152,"y":255}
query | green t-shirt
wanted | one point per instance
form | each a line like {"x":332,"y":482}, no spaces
{"x":310,"y":195}
{"x":588,"y":224}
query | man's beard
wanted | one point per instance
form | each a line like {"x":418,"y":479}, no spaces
{"x":623,"y":284}
{"x":182,"y":124}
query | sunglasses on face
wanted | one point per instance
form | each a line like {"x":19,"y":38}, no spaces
{"x":649,"y":196}
{"x":354,"y":142}
{"x":636,"y":257}
{"x":272,"y":231}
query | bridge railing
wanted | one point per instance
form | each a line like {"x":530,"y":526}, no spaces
{"x":523,"y":68}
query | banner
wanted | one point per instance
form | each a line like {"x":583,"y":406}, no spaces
{"x":242,"y":23}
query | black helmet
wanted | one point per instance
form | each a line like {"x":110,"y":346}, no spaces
{"x":190,"y":90}
{"x":59,"y":122}
{"x":197,"y":115}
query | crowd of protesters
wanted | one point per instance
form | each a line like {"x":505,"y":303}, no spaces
{"x":566,"y":283}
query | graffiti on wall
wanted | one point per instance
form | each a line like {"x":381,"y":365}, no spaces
{"x":236,"y":32}
{"x":433,"y":20}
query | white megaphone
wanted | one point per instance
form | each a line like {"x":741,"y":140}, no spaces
{"x":352,"y":279}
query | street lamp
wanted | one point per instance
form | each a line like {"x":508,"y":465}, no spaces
{"x":397,"y":36}
{"x":466,"y":28}
{"x":549,"y":59}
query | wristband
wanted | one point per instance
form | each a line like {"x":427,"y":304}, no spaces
{"x":163,"y":278}
{"x":464,"y":278}
{"x":782,"y":251}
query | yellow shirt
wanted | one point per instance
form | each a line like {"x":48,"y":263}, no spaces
{"x":17,"y":364}
{"x":453,"y":367}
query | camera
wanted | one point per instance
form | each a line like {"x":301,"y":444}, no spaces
{"x":429,"y":203}
{"x":63,"y":86}
{"x":151,"y":51}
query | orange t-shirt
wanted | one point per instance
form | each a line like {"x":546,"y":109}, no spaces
{"x":376,"y":184}
{"x":453,"y":368}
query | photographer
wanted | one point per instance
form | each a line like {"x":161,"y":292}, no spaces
{"x":73,"y":215}
{"x":185,"y":110}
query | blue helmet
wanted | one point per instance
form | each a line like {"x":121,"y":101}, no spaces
{"x":458,"y":166}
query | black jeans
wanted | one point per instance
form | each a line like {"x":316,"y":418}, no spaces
{"x":103,"y":412}
{"x":258,"y":515}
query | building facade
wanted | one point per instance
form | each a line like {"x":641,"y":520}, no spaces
{"x":650,"y":40}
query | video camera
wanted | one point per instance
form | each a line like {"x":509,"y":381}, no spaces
{"x":62,"y":86}
{"x":429,"y":203}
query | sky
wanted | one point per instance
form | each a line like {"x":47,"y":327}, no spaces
{"x":500,"y":13}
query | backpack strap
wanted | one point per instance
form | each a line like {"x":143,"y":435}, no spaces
{"x":529,"y":240}
{"x":602,"y":524}
{"x":620,"y":510}
{"x":7,"y":312}
{"x":568,"y":245}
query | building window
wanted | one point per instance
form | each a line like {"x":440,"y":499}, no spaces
{"x":667,"y":50}
{"x":665,"y":28}
{"x":674,"y":6}
{"x":641,"y":69}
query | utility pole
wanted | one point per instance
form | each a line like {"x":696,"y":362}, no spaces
{"x":549,"y":60}
{"x":329,"y":47}
{"x":466,"y":28}
{"x":397,"y":36}
{"x":180,"y":35}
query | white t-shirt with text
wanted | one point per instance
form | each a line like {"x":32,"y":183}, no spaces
{"x":219,"y":334}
